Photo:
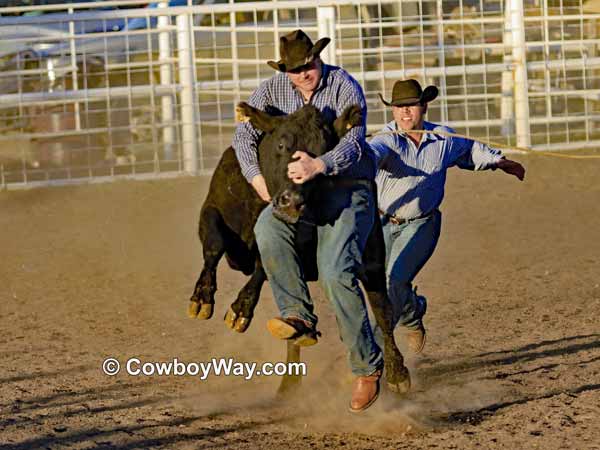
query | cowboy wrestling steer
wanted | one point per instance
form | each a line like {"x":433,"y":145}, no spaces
{"x":232,"y":207}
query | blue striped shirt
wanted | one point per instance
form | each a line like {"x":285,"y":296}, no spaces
{"x":336,"y":90}
{"x":410,"y":180}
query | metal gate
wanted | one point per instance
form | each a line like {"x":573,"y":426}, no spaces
{"x":98,"y":91}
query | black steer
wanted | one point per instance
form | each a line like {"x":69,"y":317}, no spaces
{"x":232,"y":207}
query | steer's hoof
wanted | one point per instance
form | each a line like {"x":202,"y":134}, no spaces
{"x":236,"y":322}
{"x":242,"y":324}
{"x":401,"y":386}
{"x":193,"y":309}
{"x":229,"y":318}
{"x":206,"y":311}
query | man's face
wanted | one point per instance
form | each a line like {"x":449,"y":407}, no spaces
{"x":410,"y":117}
{"x":306,"y":78}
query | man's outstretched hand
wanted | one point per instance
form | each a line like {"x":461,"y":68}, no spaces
{"x":512,"y":168}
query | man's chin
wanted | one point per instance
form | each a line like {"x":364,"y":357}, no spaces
{"x":310,"y":88}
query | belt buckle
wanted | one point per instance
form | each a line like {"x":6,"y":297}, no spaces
{"x":392,"y":218}
{"x":397,"y":221}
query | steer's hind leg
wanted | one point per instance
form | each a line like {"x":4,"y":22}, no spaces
{"x":240,"y":313}
{"x":212,"y":236}
{"x":396,"y":373}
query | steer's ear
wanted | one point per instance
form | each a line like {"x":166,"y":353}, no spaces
{"x":351,"y":117}
{"x":259,"y":119}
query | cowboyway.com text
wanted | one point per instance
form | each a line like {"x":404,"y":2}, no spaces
{"x":215,"y":367}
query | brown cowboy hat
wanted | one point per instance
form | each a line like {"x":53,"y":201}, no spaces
{"x":296,"y":50}
{"x":409,"y":92}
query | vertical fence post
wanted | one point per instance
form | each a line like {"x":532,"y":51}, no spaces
{"x":507,"y":107}
{"x":547,"y":74}
{"x":326,"y":21}
{"x":166,"y":79}
{"x":442,"y":61}
{"x":520,"y":74}
{"x":276,"y":56}
{"x":187,"y":95}
{"x":235,"y":68}
{"x":74,"y":70}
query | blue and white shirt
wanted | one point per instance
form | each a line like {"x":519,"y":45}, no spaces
{"x":410,"y":180}
{"x":336,"y":90}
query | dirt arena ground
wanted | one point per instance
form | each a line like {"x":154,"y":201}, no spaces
{"x":512,"y":360}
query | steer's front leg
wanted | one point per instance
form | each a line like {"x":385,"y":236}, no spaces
{"x":290,"y":383}
{"x":240,"y":313}
{"x":202,"y":302}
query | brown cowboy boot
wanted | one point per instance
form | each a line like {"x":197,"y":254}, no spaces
{"x":365,"y":391}
{"x":416,"y":338}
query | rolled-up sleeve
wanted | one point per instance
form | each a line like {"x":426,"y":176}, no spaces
{"x":474,"y":155}
{"x":380,"y":147}
{"x":246,"y":137}
{"x":350,"y":148}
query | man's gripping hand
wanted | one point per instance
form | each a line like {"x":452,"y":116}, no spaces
{"x":305,"y":167}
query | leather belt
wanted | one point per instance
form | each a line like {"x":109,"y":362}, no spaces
{"x":399,"y":220}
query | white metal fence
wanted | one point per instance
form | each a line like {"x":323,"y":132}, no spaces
{"x":88,"y":91}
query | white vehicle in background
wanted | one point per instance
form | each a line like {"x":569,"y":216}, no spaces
{"x":38,"y":55}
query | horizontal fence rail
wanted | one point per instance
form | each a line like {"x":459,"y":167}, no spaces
{"x":103,"y":90}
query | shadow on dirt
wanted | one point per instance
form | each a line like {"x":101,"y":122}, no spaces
{"x":68,"y":397}
{"x":47,"y":374}
{"x":475,"y":417}
{"x":493,"y":361}
{"x":439,"y":372}
{"x":100,"y":436}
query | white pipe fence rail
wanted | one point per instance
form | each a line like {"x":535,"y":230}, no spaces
{"x":96,"y":91}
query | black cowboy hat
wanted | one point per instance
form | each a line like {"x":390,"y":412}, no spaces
{"x":409,"y":92}
{"x":296,"y":50}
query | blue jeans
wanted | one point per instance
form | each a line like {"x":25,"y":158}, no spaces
{"x":345,"y":219}
{"x":408,"y":247}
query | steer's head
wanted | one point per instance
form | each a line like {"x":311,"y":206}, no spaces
{"x":304,"y":130}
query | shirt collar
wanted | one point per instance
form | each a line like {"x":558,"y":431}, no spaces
{"x":324,"y":76}
{"x":428,"y":127}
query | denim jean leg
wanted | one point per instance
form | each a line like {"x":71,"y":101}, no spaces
{"x":339,"y":256}
{"x":276,"y":244}
{"x":408,"y":247}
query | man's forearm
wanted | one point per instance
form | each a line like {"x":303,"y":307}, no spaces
{"x":246,"y":137}
{"x":484,"y":157}
{"x":245,"y":151}
{"x":346,"y":153}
